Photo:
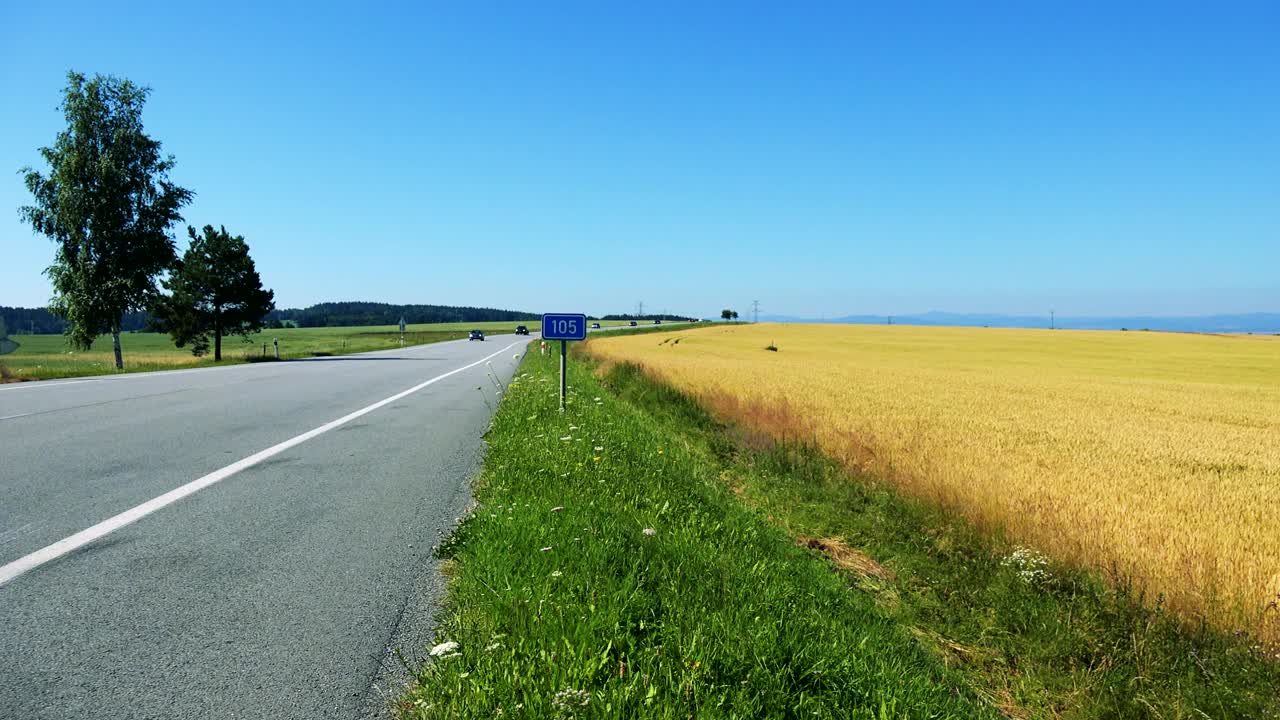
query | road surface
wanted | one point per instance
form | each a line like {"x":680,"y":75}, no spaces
{"x":236,"y":542}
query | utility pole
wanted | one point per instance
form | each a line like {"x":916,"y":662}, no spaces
{"x":1051,"y":320}
{"x":639,"y":309}
{"x":755,"y":311}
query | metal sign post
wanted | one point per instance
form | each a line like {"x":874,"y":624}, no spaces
{"x":564,"y":380}
{"x":564,"y":327}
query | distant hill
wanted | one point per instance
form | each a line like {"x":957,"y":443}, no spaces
{"x":1237,"y":323}
{"x":639,"y":318}
{"x":345,"y":314}
{"x":25,"y":321}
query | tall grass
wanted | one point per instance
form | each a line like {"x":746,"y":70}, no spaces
{"x":1153,"y":456}
{"x":608,"y":572}
{"x":631,"y":559}
{"x":1031,"y":637}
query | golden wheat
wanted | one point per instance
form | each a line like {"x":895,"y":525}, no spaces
{"x":1156,"y":455}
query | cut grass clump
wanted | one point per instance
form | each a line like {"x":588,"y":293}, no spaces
{"x":608,"y":571}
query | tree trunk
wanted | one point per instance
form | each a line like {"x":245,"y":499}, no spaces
{"x":115,"y":344}
{"x":217,"y":335}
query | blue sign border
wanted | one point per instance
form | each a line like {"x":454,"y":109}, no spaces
{"x":549,"y":318}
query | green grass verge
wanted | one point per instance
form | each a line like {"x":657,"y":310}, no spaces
{"x":48,"y":356}
{"x":776,"y":585}
{"x":45,"y":357}
{"x":1031,"y":638}
{"x":562,"y":605}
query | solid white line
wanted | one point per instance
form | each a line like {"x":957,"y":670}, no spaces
{"x":84,"y":537}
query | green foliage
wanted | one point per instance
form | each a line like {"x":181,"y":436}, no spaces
{"x":726,"y":314}
{"x":215,"y":290}
{"x":107,"y":203}
{"x":344,"y":314}
{"x":1034,"y":639}
{"x":608,"y":572}
{"x":6,"y":345}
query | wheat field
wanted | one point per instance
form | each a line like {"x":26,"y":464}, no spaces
{"x":1154,"y":457}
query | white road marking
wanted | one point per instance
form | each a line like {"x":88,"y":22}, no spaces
{"x":84,"y":537}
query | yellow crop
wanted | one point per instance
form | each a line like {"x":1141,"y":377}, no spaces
{"x":1153,"y":454}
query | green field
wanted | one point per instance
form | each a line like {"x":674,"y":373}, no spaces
{"x":44,"y":357}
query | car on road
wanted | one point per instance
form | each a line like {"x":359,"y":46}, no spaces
{"x":633,"y":323}
{"x":657,"y":322}
{"x":595,"y":326}
{"x":476,"y":335}
{"x":522,"y":330}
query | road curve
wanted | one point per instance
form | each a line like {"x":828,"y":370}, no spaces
{"x":273,"y":590}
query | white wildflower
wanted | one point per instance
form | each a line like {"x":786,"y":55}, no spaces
{"x":569,"y":699}
{"x":444,"y":648}
{"x":556,"y":573}
{"x":649,"y":532}
{"x":1030,"y":565}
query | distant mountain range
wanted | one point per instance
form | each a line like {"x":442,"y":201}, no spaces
{"x":1238,"y":323}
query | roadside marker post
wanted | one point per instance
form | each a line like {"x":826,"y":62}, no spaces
{"x":564,"y":327}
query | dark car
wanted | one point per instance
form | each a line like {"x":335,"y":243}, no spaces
{"x":595,"y":326}
{"x":633,"y":323}
{"x":520,"y":330}
{"x":476,"y":335}
{"x":657,"y":322}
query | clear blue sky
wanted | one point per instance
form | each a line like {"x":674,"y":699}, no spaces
{"x":1097,"y":158}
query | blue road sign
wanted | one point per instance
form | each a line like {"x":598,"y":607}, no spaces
{"x":564,"y":326}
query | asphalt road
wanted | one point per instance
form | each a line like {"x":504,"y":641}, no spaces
{"x":276,"y":587}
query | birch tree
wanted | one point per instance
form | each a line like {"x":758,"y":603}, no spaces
{"x":107,"y":203}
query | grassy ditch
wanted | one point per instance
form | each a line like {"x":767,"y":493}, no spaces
{"x":609,"y":571}
{"x":1031,"y":638}
{"x":774,"y":585}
